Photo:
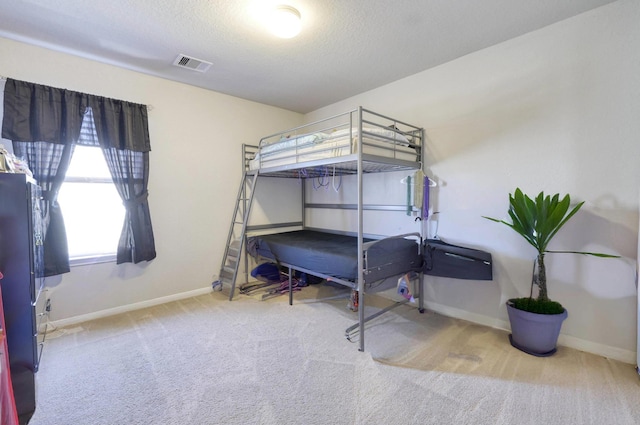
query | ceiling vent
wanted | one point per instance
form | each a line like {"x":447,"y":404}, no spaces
{"x":184,"y":61}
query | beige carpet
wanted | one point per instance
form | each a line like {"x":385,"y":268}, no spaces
{"x":206,"y":360}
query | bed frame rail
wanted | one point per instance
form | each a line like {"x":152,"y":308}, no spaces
{"x":361,"y":126}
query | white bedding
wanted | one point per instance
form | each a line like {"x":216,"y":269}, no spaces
{"x":308,"y":147}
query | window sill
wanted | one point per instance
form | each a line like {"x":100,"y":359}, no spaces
{"x":96,"y":259}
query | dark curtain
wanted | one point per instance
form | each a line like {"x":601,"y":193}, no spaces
{"x":130,"y":173}
{"x":48,"y":163}
{"x":43,"y":123}
{"x":36,"y":116}
{"x":124,"y":124}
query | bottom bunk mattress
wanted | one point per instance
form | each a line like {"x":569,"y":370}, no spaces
{"x":336,"y":255}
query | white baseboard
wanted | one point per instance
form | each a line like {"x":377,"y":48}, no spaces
{"x":129,"y":307}
{"x":607,"y":351}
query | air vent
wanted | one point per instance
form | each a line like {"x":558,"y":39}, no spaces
{"x":184,"y":61}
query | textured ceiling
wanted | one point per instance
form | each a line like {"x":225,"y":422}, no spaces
{"x":346,"y":47}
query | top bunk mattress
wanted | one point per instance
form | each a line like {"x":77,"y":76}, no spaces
{"x":337,"y":255}
{"x":383,"y":144}
{"x":316,"y":146}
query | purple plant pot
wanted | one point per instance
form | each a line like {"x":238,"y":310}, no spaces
{"x":535,"y":334}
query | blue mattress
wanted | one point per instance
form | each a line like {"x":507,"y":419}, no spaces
{"x":337,"y":255}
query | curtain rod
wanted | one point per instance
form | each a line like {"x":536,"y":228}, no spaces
{"x":149,"y":107}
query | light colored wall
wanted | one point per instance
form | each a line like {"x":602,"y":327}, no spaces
{"x":377,"y":189}
{"x":195,"y":170}
{"x":556,"y":110}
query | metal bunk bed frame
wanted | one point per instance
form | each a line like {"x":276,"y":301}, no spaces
{"x":358,"y":164}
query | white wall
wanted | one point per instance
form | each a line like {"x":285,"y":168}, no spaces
{"x":377,"y":189}
{"x":195,"y":170}
{"x":557,"y":110}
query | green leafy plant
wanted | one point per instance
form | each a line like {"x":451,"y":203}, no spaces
{"x":538,"y":221}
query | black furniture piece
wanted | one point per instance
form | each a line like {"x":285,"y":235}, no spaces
{"x":21,"y":263}
{"x":459,"y":262}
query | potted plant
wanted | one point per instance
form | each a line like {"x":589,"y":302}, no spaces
{"x":536,"y":321}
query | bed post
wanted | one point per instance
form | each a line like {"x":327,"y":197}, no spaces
{"x":424,"y":215}
{"x":361,"y":302}
{"x":290,"y":286}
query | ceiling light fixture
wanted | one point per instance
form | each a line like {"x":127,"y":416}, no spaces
{"x":285,"y":22}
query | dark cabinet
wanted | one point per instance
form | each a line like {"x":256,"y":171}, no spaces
{"x":21,"y":263}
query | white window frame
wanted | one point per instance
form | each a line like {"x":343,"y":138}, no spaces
{"x":81,"y":260}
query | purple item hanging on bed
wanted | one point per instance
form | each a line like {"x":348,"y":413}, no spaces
{"x":425,"y":198}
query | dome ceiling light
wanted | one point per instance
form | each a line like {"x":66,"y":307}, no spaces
{"x":285,"y":22}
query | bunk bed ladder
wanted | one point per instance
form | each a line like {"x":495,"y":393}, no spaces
{"x":236,"y":238}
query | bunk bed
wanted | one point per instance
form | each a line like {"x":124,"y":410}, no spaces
{"x":356,"y":143}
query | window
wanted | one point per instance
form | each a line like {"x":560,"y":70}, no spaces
{"x":92,"y":209}
{"x":42,"y":123}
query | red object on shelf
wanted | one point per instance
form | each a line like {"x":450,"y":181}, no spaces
{"x":8,"y":412}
